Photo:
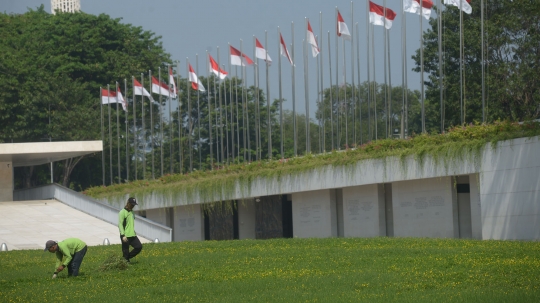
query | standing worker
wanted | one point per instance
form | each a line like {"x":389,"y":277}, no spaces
{"x":69,"y":253}
{"x":126,"y":225}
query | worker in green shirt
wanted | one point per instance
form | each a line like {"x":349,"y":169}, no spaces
{"x":69,"y":253}
{"x":126,"y":225}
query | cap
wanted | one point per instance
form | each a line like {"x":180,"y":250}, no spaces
{"x":49,"y":244}
{"x":132,"y":201}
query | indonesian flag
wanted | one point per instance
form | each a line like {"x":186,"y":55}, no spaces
{"x":160,"y":88}
{"x":108,"y":96}
{"x":311,"y":40}
{"x":377,"y":17}
{"x":172,"y":84}
{"x":261,"y":53}
{"x":139,"y":89}
{"x":214,"y":67}
{"x":238,"y":58}
{"x":342,"y":29}
{"x":195,"y":82}
{"x":283,"y":49}
{"x":413,"y":6}
{"x":121,"y":100}
{"x":464,"y":5}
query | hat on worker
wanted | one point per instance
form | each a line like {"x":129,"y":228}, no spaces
{"x":132,"y":201}
{"x":49,"y":244}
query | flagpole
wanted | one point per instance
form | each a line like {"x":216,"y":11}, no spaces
{"x":198,"y":113}
{"x":143,"y":128}
{"x":483,"y":67}
{"x":256,"y":97}
{"x":259,"y":140}
{"x":358,"y":71}
{"x":231,"y":105}
{"x":280,"y":93}
{"x":440,"y":65}
{"x":135,"y":133}
{"x":375,"y":89}
{"x":160,"y":122}
{"x":319,"y":103}
{"x":190,"y":123}
{"x":170,"y":122}
{"x":391,"y":115}
{"x":422,"y":71}
{"x":385,"y":33}
{"x":180,"y":124}
{"x":118,"y":134}
{"x":221,"y":105}
{"x":110,"y":133}
{"x":403,"y":58}
{"x":102,"y":135}
{"x":304,"y":42}
{"x":406,"y":92}
{"x":331,"y":96}
{"x":237,"y":112}
{"x":152,"y":125}
{"x":321,"y":92}
{"x":368,"y":71}
{"x":462,"y":107}
{"x":345,"y":101}
{"x":352,"y":77}
{"x":209,"y":111}
{"x":293,"y":75}
{"x":337,"y":89}
{"x":127,"y":137}
{"x":269,"y":126}
{"x":245,"y":116}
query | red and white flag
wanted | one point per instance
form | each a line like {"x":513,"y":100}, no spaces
{"x":108,"y":96}
{"x":261,"y":53}
{"x":238,"y":58}
{"x":214,"y":67}
{"x":195,"y":82}
{"x":160,"y":88}
{"x":311,"y":40}
{"x":377,"y":16}
{"x":464,"y":5}
{"x":413,"y":6}
{"x":121,"y":100}
{"x":342,"y":29}
{"x":283,"y":49}
{"x":139,"y":89}
{"x":172,"y":84}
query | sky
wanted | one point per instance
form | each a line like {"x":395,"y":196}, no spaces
{"x":192,"y":28}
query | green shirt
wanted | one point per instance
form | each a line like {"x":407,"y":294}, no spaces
{"x":66,"y":250}
{"x":126,"y":223}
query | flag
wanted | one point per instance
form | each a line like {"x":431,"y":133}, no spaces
{"x":465,"y":6}
{"x":261,"y":53}
{"x":311,"y":40}
{"x":195,"y":82}
{"x":214,"y":67}
{"x":121,"y":100}
{"x":413,"y":6}
{"x":108,"y":96}
{"x":139,"y":89}
{"x":283,"y":49}
{"x":160,"y":88}
{"x":172,"y":84}
{"x":238,"y":58}
{"x":377,"y":17}
{"x":342,"y":29}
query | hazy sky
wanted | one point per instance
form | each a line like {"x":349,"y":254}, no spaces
{"x":194,"y":27}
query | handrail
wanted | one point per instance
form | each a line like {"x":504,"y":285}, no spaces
{"x":145,"y":228}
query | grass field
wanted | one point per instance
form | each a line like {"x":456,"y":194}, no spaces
{"x":287,"y":270}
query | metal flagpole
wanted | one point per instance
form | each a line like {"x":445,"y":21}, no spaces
{"x":385,"y":33}
{"x":352,"y":77}
{"x":135,"y":133}
{"x":231,"y":105}
{"x":257,"y":105}
{"x":440,"y":65}
{"x":338,"y":138}
{"x":170,"y":122}
{"x":110,"y":132}
{"x":245,"y":117}
{"x":304,"y":57}
{"x":403,"y":58}
{"x":226,"y":118}
{"x":483,"y":65}
{"x":390,"y":114}
{"x":322,"y":83}
{"x":331,"y":96}
{"x":422,"y":72}
{"x":190,"y":122}
{"x":368,"y":70}
{"x":220,"y":112}
{"x":345,"y":101}
{"x":180,"y":124}
{"x":209,"y":111}
{"x":218,"y":153}
{"x":461,"y":60}
{"x":152,"y":124}
{"x":143,"y":130}
{"x":118,"y":135}
{"x":237,"y":112}
{"x":295,"y":134}
{"x":269,"y":126}
{"x":127,"y":134}
{"x":280,"y":93}
{"x":198,"y":113}
{"x":406,"y":93}
{"x":160,"y":122}
{"x":102,"y":135}
{"x":358,"y":71}
{"x":319,"y":102}
{"x":374,"y":81}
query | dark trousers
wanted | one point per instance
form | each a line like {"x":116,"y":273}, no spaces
{"x":75,"y":263}
{"x":135,"y":243}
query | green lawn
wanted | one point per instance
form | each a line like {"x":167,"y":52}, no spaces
{"x":287,"y":270}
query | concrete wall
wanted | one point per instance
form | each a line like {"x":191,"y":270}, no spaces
{"x":6,"y":181}
{"x":246,"y":219}
{"x":188,"y":223}
{"x":425,"y":208}
{"x":362,"y":207}
{"x":314,"y":214}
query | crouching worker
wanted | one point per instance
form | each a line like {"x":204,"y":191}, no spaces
{"x":126,"y":226}
{"x":69,"y":253}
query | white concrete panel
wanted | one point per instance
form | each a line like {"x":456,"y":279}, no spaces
{"x":361,"y":211}
{"x":424,"y":208}
{"x":476,"y":209}
{"x":246,"y":219}
{"x":188,"y":223}
{"x":314,"y":214}
{"x":159,"y":215}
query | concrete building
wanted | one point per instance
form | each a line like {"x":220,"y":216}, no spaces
{"x":66,"y":6}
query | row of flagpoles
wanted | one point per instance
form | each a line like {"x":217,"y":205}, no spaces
{"x":379,"y":15}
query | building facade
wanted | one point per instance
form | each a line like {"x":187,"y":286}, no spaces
{"x":66,"y":6}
